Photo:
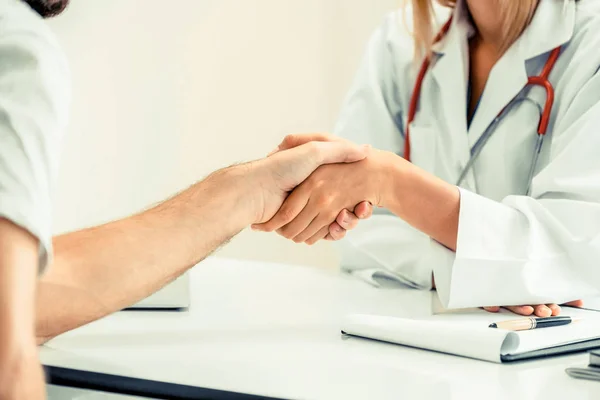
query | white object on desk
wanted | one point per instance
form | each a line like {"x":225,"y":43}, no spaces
{"x":467,"y":334}
{"x":175,"y":295}
{"x":274,"y":330}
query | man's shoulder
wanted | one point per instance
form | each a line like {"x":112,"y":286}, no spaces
{"x":28,"y":45}
{"x":19,"y":22}
{"x":34,"y":68}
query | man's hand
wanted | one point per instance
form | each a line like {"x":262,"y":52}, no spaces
{"x":281,"y":172}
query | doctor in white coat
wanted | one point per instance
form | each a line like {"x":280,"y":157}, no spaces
{"x":500,"y":235}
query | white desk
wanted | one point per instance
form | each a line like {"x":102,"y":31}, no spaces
{"x":274,"y":330}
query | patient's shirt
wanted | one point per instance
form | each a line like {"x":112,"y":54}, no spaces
{"x":34,"y":101}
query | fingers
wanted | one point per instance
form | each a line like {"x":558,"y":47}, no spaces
{"x":336,"y":232}
{"x":542,"y":310}
{"x":291,"y":141}
{"x":339,"y":152}
{"x":321,"y":234}
{"x":363,"y":210}
{"x":320,"y":222}
{"x":576,"y":303}
{"x":298,"y":225}
{"x":521,"y":310}
{"x":492,"y":309}
{"x":292,"y":206}
{"x":347,"y":220}
{"x":555,"y":308}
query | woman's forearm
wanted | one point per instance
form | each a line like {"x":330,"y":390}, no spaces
{"x":423,"y":200}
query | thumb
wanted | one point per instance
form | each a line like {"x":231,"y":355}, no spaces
{"x":338,"y":152}
{"x":293,"y":166}
{"x":295,"y":140}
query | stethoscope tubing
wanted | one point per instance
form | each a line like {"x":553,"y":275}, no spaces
{"x":482,"y":141}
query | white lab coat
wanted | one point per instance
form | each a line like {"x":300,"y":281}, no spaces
{"x":34,"y":103}
{"x":512,"y":249}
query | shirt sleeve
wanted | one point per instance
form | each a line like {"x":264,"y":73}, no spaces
{"x":383,"y":246}
{"x":539,"y":249}
{"x":34,"y":100}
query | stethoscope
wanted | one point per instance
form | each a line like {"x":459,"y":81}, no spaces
{"x":545,"y":113}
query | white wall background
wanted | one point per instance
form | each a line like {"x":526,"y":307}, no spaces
{"x":167,"y":91}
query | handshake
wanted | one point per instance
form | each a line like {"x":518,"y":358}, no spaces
{"x":314,"y":187}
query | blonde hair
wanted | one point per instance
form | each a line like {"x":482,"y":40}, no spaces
{"x":516,"y":15}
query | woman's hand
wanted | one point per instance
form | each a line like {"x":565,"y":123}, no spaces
{"x":345,"y":221}
{"x":540,"y":310}
{"x":312,"y":207}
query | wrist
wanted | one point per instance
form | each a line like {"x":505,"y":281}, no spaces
{"x":238,"y":189}
{"x":424,"y":201}
{"x":394,"y":175}
{"x":254,"y":179}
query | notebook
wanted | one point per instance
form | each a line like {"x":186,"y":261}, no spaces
{"x":467,"y":334}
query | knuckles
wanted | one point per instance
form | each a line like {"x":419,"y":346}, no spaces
{"x":286,"y":215}
{"x":324,"y":200}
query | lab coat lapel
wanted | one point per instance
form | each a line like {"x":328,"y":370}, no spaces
{"x":450,"y":71}
{"x":551,"y":26}
{"x":506,"y":80}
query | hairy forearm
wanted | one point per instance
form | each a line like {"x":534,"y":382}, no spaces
{"x":423,"y":200}
{"x":101,"y":270}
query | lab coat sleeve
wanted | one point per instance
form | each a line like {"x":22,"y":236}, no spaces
{"x":539,"y":249}
{"x":383,"y":248}
{"x":34,"y":98}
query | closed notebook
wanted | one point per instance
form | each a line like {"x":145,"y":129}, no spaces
{"x":468,"y":334}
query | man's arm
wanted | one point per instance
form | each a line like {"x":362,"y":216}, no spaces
{"x":107,"y":268}
{"x":21,"y":374}
{"x":104,"y":269}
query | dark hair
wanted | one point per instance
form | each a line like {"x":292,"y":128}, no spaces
{"x":48,"y":8}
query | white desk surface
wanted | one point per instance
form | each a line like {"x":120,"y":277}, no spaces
{"x":274,"y":330}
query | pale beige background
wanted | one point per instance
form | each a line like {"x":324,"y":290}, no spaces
{"x":167,"y":91}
